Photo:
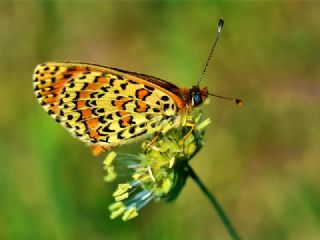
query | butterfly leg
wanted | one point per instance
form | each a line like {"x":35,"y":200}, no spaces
{"x":192,"y":127}
{"x":154,"y":139}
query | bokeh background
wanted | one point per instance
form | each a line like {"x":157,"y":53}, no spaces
{"x":261,"y":161}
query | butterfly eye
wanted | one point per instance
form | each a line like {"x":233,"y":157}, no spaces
{"x":196,"y":99}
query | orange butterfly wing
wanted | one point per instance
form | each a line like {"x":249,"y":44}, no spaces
{"x":105,"y":106}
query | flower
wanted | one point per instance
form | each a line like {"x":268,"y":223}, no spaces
{"x":159,"y":173}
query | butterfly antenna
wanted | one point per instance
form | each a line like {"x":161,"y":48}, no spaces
{"x":220,"y":26}
{"x":237,"y":101}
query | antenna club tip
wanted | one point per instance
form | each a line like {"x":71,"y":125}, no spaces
{"x":239,"y":102}
{"x":220,"y":24}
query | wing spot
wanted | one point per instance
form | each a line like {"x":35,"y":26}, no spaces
{"x":107,"y":128}
{"x":132,"y":130}
{"x":96,"y":79}
{"x":105,"y":89}
{"x":121,"y":102}
{"x":123,"y":86}
{"x":126,"y":121}
{"x":102,"y":119}
{"x":164,"y":98}
{"x":142,"y":94}
{"x":88,"y":103}
{"x":85,"y":85}
{"x":119,"y":135}
{"x":111,"y":82}
{"x":81,"y":104}
{"x":132,"y":82}
{"x":166,"y":106}
{"x":67,"y":75}
{"x":149,"y":88}
{"x":86,"y":113}
{"x":141,"y":106}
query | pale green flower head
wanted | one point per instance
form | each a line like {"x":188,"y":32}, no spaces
{"x":159,"y":173}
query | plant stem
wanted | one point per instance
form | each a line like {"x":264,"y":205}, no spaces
{"x":233,"y":233}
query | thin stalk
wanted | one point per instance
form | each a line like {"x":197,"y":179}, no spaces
{"x":231,"y":230}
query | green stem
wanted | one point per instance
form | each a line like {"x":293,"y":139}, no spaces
{"x":233,"y":233}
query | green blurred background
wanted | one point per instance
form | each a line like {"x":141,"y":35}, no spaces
{"x":261,"y":161}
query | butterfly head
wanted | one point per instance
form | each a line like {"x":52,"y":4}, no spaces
{"x":197,"y":95}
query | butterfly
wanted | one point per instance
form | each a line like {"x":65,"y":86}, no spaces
{"x":106,"y":107}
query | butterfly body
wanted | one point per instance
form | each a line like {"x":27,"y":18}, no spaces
{"x":108,"y":107}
